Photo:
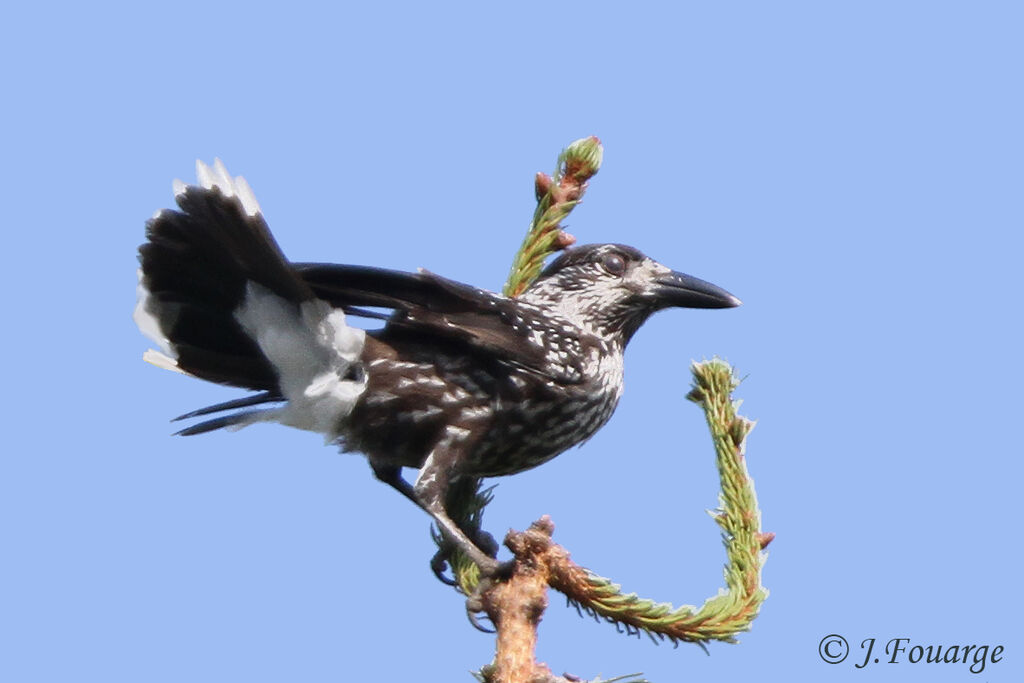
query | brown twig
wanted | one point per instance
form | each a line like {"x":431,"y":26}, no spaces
{"x":515,"y":606}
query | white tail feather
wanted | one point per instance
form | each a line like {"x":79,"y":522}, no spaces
{"x":218,"y":177}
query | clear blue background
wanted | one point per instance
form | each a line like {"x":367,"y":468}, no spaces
{"x":852,"y":171}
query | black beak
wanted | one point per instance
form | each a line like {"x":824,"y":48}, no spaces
{"x":686,"y":291}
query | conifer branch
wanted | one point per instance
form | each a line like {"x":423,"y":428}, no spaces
{"x":516,"y":605}
{"x":557,"y":196}
{"x":735,"y":607}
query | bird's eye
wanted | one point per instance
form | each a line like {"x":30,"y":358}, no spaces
{"x":614,"y":264}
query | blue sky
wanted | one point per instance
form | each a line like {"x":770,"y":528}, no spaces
{"x":852,"y":171}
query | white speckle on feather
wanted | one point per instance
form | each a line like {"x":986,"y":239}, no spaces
{"x":471,"y":413}
{"x":454,"y":433}
{"x":456,"y":395}
{"x":425,"y":413}
{"x":379,"y":398}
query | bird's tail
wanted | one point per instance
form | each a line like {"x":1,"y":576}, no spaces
{"x":222,"y":302}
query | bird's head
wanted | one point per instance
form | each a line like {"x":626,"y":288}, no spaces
{"x":612,"y":289}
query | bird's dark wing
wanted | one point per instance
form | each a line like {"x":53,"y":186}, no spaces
{"x":343,"y":286}
{"x":428,"y":304}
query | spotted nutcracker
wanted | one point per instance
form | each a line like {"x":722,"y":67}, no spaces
{"x":459,"y":381}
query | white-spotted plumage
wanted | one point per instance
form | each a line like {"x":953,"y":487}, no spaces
{"x":475,"y":412}
{"x":459,"y":382}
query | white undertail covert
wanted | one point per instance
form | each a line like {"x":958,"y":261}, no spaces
{"x":314,"y":352}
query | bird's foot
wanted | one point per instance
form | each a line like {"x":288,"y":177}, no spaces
{"x":482,"y":551}
{"x":485,"y":542}
{"x":495,"y":572}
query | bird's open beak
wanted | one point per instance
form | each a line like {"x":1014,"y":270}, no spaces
{"x":686,"y":291}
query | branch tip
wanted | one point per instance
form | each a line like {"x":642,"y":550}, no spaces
{"x":516,"y":604}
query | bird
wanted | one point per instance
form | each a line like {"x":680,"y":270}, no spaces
{"x":456,"y":381}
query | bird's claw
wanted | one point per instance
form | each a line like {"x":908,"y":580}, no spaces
{"x":439,"y":565}
{"x":490,"y":574}
{"x":474,"y":618}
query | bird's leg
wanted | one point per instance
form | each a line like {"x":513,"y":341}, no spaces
{"x":462,"y":496}
{"x":392,"y":476}
{"x":429,"y":494}
{"x":431,"y":488}
{"x":430,"y":491}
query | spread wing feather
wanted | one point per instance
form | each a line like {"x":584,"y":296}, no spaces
{"x":429,"y":305}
